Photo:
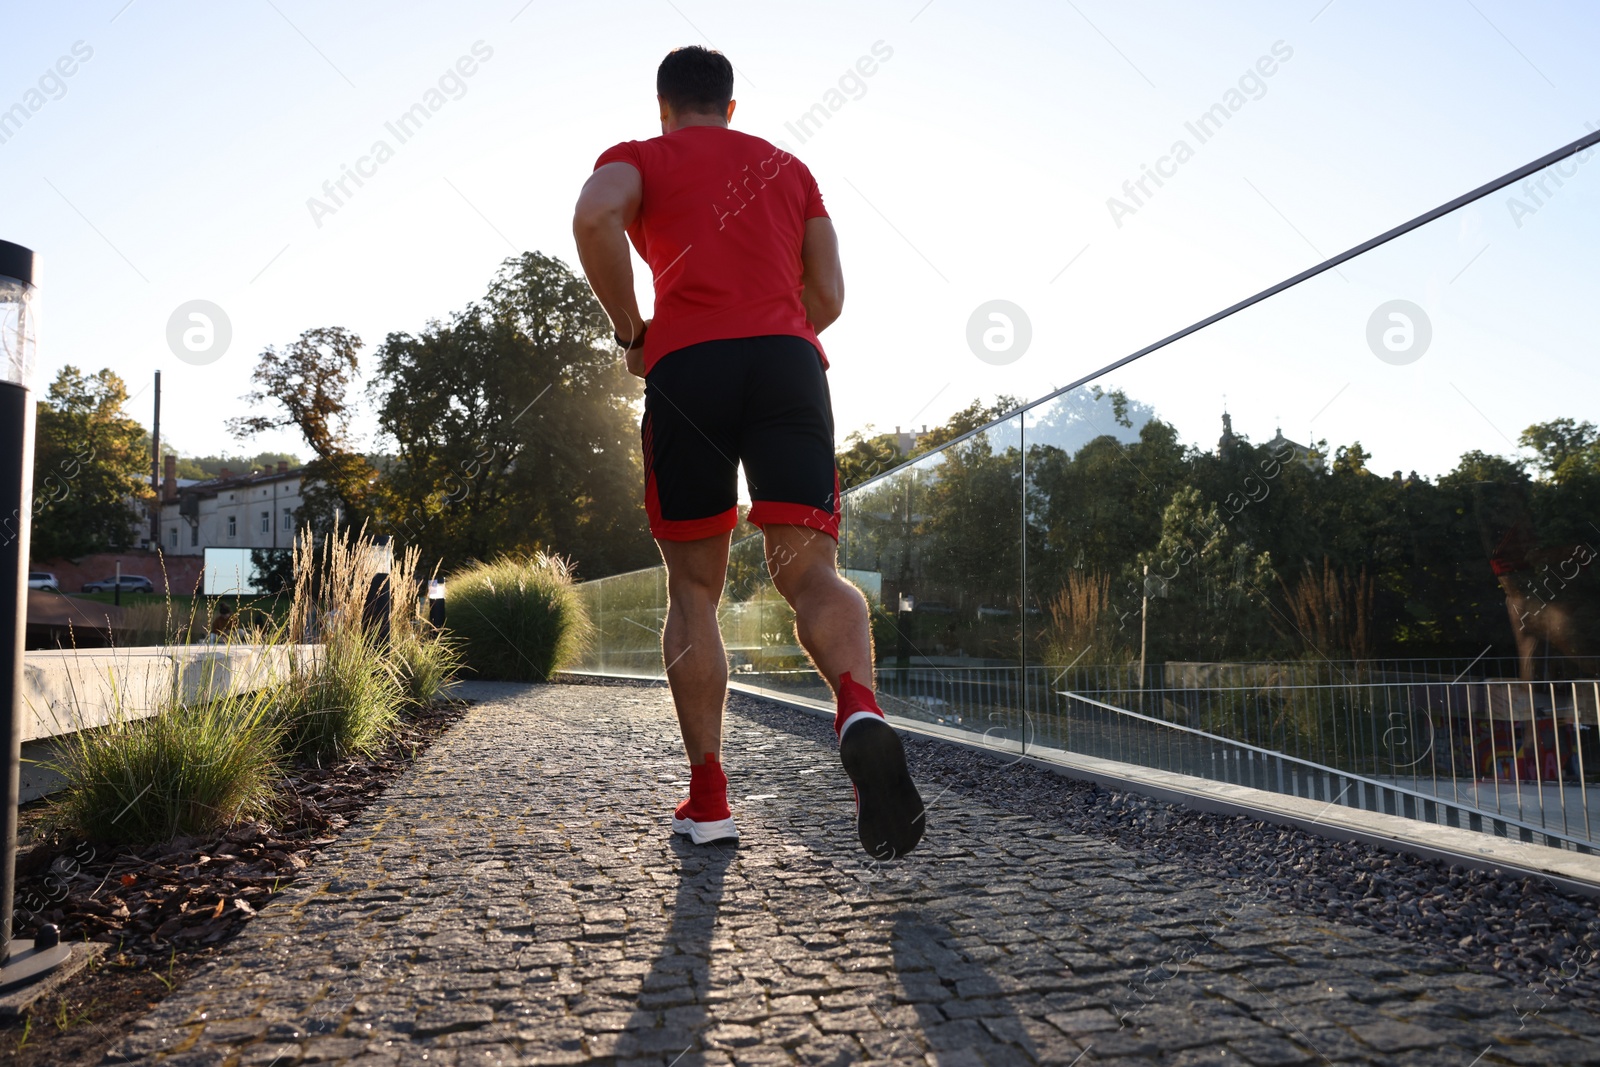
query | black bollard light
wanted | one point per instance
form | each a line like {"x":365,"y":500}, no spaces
{"x":21,"y":961}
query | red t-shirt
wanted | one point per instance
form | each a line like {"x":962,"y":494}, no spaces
{"x":721,"y":221}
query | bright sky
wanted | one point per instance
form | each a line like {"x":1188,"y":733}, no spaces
{"x":975,"y":163}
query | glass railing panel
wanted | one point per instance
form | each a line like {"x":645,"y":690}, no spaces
{"x":626,"y":614}
{"x":758,"y":627}
{"x":937,"y":547}
{"x":1379,"y":553}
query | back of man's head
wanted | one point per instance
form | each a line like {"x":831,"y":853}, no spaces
{"x":695,"y":80}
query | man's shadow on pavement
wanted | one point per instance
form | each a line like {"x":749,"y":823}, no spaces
{"x":673,"y":1009}
{"x":963,"y":1012}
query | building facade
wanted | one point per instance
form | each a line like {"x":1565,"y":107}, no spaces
{"x":260,"y":509}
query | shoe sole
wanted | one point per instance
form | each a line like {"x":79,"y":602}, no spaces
{"x":703,"y":833}
{"x":889,"y":816}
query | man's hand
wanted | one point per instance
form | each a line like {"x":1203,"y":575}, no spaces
{"x":635,"y":360}
{"x":606,"y":208}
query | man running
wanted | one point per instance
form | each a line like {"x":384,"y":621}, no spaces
{"x":746,"y":269}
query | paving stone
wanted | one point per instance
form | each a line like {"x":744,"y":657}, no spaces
{"x":1270,"y":1052}
{"x":491,"y":911}
{"x":1085,"y":1021}
{"x":451,"y":1018}
{"x":762,"y":1056}
{"x":1389,"y":1035}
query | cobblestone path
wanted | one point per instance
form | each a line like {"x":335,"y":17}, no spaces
{"x":516,"y":899}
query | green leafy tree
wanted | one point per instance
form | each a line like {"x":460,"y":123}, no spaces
{"x":90,"y":468}
{"x":1564,"y":450}
{"x":203,"y":467}
{"x":306,"y":386}
{"x":865,"y":456}
{"x":1565,"y":498}
{"x":514,"y":428}
{"x":964,"y":421}
{"x":1216,"y":603}
{"x":1252,"y":538}
{"x":1093,"y":511}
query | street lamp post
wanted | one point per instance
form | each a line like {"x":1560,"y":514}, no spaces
{"x":21,"y":961}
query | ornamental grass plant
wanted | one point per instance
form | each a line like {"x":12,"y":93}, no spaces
{"x":423,"y":659}
{"x":340,"y":699}
{"x":341,"y":696}
{"x":518,"y":619}
{"x":188,"y":769}
{"x":212,"y":748}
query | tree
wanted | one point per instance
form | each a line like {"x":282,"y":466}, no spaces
{"x":1564,"y":449}
{"x":514,"y":428}
{"x":90,"y":468}
{"x":305,"y":386}
{"x":1095,"y":510}
{"x":203,"y":467}
{"x":1216,"y":603}
{"x":866,"y":455}
{"x":966,"y":420}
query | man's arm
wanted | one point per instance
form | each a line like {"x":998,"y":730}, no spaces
{"x":822,"y":277}
{"x":606,"y":208}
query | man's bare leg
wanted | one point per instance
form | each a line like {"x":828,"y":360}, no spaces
{"x":832,"y":624}
{"x":691,"y":643}
{"x":830,"y":614}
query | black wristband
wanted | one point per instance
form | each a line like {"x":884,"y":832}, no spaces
{"x":637,"y":342}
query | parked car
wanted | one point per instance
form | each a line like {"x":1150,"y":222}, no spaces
{"x":43,"y":580}
{"x":131,"y":583}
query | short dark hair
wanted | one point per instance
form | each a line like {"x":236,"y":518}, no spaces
{"x":695,"y":79}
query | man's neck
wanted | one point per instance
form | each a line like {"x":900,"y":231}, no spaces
{"x":680,"y":121}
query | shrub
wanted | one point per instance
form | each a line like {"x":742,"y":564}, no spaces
{"x":518,"y":620}
{"x":185,"y":770}
{"x":340,"y":700}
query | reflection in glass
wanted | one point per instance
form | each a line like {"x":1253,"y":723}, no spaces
{"x":247,"y":571}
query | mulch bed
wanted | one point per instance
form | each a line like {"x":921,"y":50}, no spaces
{"x":166,"y":909}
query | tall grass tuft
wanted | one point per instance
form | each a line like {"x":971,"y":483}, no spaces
{"x":331,"y":580}
{"x":1083,"y":624}
{"x":185,"y":770}
{"x":518,"y":619}
{"x":423,"y":659}
{"x":423,"y":665}
{"x":1332,"y":611}
{"x":340,"y":700}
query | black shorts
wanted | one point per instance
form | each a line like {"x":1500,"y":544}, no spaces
{"x":760,"y":401}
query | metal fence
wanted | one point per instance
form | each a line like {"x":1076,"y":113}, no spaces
{"x":1406,"y":738}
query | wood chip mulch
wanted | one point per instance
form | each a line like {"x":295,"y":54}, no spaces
{"x":165,"y":909}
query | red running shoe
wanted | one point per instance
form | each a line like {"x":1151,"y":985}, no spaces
{"x":889,"y":814}
{"x":705,"y":816}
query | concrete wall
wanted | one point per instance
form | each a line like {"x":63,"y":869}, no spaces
{"x":70,"y":690}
